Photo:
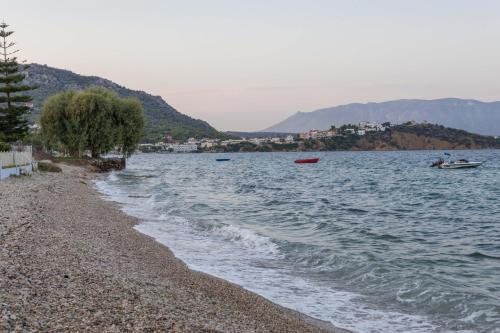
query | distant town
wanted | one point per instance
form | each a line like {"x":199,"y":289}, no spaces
{"x":280,"y":143}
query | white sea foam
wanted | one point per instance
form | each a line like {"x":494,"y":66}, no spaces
{"x":246,"y":238}
{"x":236,"y":262}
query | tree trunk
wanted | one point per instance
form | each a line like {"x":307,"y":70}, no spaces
{"x":95,"y":154}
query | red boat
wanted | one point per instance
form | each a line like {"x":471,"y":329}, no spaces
{"x":308,"y":160}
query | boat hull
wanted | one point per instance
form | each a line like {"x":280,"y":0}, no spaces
{"x":460,"y":165}
{"x":307,"y":160}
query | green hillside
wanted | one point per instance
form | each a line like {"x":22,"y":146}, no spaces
{"x":410,"y":136}
{"x":160,"y":117}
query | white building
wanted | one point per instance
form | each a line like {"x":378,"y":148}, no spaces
{"x":312,"y":134}
{"x":361,"y":132}
{"x":371,"y":126}
{"x":207,"y":144}
{"x":185,"y":148}
{"x":331,"y":133}
{"x":289,"y":139}
{"x":256,"y":141}
{"x":315,"y":134}
{"x":230,"y":142}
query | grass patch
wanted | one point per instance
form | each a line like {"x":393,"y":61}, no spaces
{"x":48,"y":167}
{"x":72,"y":161}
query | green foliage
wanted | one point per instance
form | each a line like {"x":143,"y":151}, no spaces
{"x":452,"y":135}
{"x":310,"y":143}
{"x":33,"y":139}
{"x":95,"y":119}
{"x":132,"y":118}
{"x":246,"y":146}
{"x":60,"y":128}
{"x":285,"y":146}
{"x":5,"y":146}
{"x":346,"y":126}
{"x":264,"y":148}
{"x":341,"y":142}
{"x":13,"y":104}
{"x":243,"y":146}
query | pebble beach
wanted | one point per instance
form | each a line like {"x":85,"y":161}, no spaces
{"x":72,"y":262}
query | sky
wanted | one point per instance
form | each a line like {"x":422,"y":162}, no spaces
{"x":246,"y":65}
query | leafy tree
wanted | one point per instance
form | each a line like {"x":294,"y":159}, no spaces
{"x":111,"y":120}
{"x":95,"y":119}
{"x":13,"y":104}
{"x":60,"y":126}
{"x":132,"y":120}
{"x":309,"y":143}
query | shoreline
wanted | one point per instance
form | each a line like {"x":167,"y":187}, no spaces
{"x":72,"y":261}
{"x":323,"y":151}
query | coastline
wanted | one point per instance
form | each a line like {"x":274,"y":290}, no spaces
{"x":72,"y":261}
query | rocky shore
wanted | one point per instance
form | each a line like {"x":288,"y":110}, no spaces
{"x":71,"y":262}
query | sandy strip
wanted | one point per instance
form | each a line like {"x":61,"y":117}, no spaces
{"x":70,"y":261}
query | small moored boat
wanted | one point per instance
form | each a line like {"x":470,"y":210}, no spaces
{"x":307,"y":160}
{"x":460,"y":164}
{"x":222,"y":159}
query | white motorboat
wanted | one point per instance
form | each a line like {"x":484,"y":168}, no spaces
{"x":460,"y":164}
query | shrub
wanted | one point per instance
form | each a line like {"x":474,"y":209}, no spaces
{"x":264,"y":148}
{"x":48,"y":167}
{"x":5,"y":146}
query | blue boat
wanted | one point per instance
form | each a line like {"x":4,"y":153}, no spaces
{"x":222,"y":159}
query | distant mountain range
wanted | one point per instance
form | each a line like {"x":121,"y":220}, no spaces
{"x":470,"y":115}
{"x":160,"y":117}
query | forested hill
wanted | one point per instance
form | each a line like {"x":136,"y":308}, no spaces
{"x":160,"y":117}
{"x":409,"y":137}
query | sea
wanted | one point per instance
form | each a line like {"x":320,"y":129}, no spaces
{"x":369,"y":241}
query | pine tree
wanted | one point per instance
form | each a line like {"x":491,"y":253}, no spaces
{"x":13,"y":104}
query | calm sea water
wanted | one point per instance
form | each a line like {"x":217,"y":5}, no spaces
{"x":371,"y":241}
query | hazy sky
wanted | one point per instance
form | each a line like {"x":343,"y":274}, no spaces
{"x":244,"y":65}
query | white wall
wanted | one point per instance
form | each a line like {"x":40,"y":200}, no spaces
{"x":15,"y":162}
